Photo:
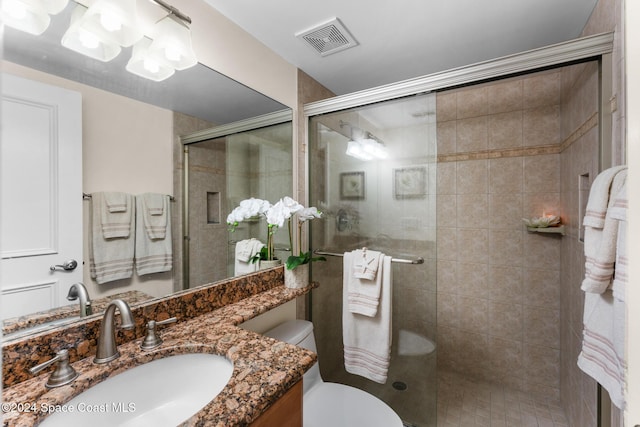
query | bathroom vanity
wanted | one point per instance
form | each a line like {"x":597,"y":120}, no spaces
{"x":264,"y":388}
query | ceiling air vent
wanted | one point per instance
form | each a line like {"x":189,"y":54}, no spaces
{"x":328,"y":38}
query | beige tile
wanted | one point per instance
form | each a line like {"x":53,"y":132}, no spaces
{"x":505,"y":284}
{"x":542,"y":326}
{"x":506,"y":247}
{"x":542,"y":173}
{"x":472,"y":102}
{"x":447,"y":276}
{"x":446,"y":106}
{"x":539,"y":204}
{"x":446,"y":210}
{"x":446,"y":176}
{"x":506,"y":96}
{"x":542,"y":250}
{"x":446,"y":137}
{"x":506,"y":320}
{"x":541,"y":364}
{"x":542,"y":287}
{"x":472,"y":177}
{"x":472,"y":211}
{"x":475,"y":243}
{"x":471,"y":134}
{"x":542,"y":89}
{"x":506,"y":362}
{"x":473,"y":279}
{"x":505,"y":211}
{"x":447,"y":310}
{"x":541,"y":126}
{"x":473,"y":314}
{"x":447,"y":244}
{"x":506,"y":175}
{"x":505,"y":130}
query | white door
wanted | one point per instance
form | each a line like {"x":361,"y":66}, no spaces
{"x":40,"y":194}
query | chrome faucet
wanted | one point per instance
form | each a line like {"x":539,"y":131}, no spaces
{"x":107,"y":349}
{"x":78,"y":291}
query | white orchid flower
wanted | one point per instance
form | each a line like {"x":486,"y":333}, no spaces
{"x":291,"y":204}
{"x":278,"y":214}
{"x":309,"y":213}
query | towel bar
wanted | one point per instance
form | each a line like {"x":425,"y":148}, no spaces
{"x":418,"y":260}
{"x":87,"y":196}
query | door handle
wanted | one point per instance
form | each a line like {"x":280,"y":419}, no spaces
{"x":66,"y":266}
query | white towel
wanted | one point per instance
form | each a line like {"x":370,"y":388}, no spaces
{"x":109,"y":259}
{"x":364,"y":293}
{"x":117,"y":213}
{"x":155,"y":208}
{"x":603,"y":343}
{"x":366,"y":265}
{"x":600,"y":236}
{"x":245,"y":250}
{"x":367,"y":340}
{"x":153,"y":254}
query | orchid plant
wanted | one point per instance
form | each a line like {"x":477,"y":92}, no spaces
{"x":276,"y":215}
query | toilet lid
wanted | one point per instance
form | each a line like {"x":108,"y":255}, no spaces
{"x":338,"y":405}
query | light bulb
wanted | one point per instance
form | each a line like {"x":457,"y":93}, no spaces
{"x":14,"y":9}
{"x":151,"y":66}
{"x":172,"y":52}
{"x":87,"y":39}
{"x":110,"y":21}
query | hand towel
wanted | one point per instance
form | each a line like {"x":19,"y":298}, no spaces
{"x":245,"y":250}
{"x":365,"y":266}
{"x":117,"y":213}
{"x":619,"y":212}
{"x":154,"y":248}
{"x":154,"y":214}
{"x":367,"y":340}
{"x":364,"y":293}
{"x":109,"y":258}
{"x":600,"y":242}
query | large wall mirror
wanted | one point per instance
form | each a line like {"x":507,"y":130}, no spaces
{"x":194,"y":99}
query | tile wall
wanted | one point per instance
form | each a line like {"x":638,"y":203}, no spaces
{"x":498,"y":285}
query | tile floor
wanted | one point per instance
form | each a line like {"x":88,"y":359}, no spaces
{"x":463,"y":402}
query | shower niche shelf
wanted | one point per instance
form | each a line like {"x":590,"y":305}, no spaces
{"x":548,"y":230}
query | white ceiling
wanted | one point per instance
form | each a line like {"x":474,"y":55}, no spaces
{"x":403,"y":39}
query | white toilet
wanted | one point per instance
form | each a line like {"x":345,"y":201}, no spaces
{"x":330,"y":404}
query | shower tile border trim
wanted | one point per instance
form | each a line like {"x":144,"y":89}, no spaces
{"x":539,"y":150}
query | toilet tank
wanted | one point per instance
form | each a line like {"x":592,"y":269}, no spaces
{"x":300,"y":333}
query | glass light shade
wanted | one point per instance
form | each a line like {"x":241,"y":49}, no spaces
{"x":29,"y":16}
{"x":145,"y":65}
{"x":77,"y":38}
{"x":172,"y":43}
{"x":355,"y":149}
{"x":373,"y":147}
{"x":114,"y":21}
{"x":55,"y":6}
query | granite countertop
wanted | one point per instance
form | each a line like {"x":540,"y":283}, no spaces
{"x":264,"y":368}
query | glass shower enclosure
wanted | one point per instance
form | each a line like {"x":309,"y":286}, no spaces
{"x":372,"y":171}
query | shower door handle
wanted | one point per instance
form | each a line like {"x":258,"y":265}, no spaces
{"x":68,"y":265}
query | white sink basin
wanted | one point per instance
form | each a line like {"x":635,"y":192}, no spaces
{"x":164,"y":392}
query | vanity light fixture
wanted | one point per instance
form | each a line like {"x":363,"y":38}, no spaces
{"x":172,"y":43}
{"x":143,"y":64}
{"x":30,"y":16}
{"x":113,"y":21}
{"x":363,"y":145}
{"x":84,"y":41}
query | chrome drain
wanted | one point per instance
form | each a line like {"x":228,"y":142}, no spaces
{"x":399,"y":385}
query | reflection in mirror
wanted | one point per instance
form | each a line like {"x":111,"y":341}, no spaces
{"x":196,"y":98}
{"x":221,"y":173}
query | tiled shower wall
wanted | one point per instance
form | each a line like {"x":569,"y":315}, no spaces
{"x":498,"y":285}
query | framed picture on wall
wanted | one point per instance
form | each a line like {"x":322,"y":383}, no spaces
{"x":352,"y":186}
{"x":410,"y":183}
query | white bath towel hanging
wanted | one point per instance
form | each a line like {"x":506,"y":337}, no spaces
{"x":601,"y":231}
{"x":110,"y":258}
{"x":155,"y":208}
{"x":245,"y":250}
{"x":116,"y":213}
{"x":364,"y":284}
{"x":154,"y":248}
{"x":603,"y":343}
{"x":367,"y":340}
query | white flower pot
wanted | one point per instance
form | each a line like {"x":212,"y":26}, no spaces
{"x":264,"y":264}
{"x":297,"y":278}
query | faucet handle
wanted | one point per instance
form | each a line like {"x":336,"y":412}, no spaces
{"x":64,"y":372}
{"x":152,"y":339}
